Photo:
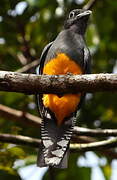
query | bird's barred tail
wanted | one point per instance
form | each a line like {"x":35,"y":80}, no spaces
{"x":55,"y":143}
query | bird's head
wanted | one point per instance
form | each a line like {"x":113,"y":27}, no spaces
{"x":77,"y":20}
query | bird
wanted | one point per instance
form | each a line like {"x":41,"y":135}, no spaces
{"x":68,"y":54}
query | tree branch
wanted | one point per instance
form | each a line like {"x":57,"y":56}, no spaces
{"x":32,"y":84}
{"x":25,"y":43}
{"x":27,"y":118}
{"x":110,"y":143}
{"x":24,"y":140}
{"x":20,"y":140}
{"x":19,"y":116}
{"x":85,"y":139}
{"x":94,"y":132}
{"x":90,"y":4}
{"x":29,"y":66}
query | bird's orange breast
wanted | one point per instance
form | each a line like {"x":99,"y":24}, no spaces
{"x":61,"y":106}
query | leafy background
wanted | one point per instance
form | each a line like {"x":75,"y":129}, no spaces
{"x":25,"y":28}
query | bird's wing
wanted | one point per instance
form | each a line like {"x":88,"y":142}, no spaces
{"x":42,"y":58}
{"x":39,"y":70}
{"x":87,"y":61}
{"x":87,"y":70}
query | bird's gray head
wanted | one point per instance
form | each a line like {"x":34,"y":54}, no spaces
{"x":77,"y":20}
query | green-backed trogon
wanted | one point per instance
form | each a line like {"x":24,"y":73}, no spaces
{"x":67,"y":54}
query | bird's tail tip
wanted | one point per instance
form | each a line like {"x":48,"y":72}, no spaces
{"x":53,"y":162}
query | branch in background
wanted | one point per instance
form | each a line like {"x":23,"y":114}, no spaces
{"x":29,"y":66}
{"x":25,"y":43}
{"x":90,"y":4}
{"x":19,"y":116}
{"x":85,"y":139}
{"x":29,"y":119}
{"x":20,"y":140}
{"x":33,"y":84}
{"x":94,"y":132}
{"x":22,"y":59}
{"x":24,"y":140}
{"x":110,"y":143}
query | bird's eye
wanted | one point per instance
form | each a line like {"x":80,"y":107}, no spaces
{"x":71,"y":15}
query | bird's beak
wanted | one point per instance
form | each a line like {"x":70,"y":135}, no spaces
{"x":85,"y":13}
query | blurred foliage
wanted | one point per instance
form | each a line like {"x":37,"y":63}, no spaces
{"x":25,"y":28}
